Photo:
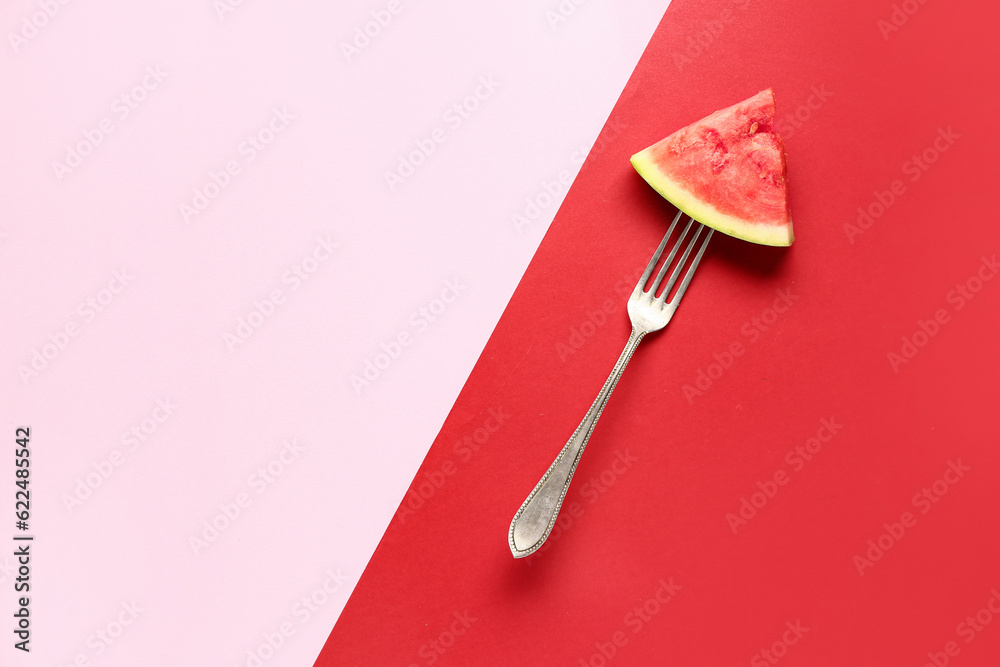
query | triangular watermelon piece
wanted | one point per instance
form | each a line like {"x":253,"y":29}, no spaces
{"x":726,"y":171}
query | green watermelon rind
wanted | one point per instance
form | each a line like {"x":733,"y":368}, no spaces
{"x":704,"y":212}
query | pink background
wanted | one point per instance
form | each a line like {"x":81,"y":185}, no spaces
{"x":883,"y":541}
{"x":116,"y":351}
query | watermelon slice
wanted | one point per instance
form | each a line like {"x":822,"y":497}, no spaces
{"x":726,"y":171}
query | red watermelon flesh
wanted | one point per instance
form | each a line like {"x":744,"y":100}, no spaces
{"x":726,"y":171}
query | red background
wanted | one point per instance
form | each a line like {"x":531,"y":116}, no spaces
{"x":665,"y":515}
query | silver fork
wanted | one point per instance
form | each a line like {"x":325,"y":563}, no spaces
{"x":536,"y":517}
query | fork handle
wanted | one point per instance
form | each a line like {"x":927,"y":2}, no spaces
{"x":536,"y":517}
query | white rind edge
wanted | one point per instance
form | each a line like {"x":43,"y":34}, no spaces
{"x":705,"y":213}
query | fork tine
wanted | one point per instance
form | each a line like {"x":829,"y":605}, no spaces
{"x":656,"y":256}
{"x":680,"y":265}
{"x":669,"y":260}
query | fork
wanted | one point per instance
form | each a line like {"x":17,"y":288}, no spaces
{"x":536,"y":517}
